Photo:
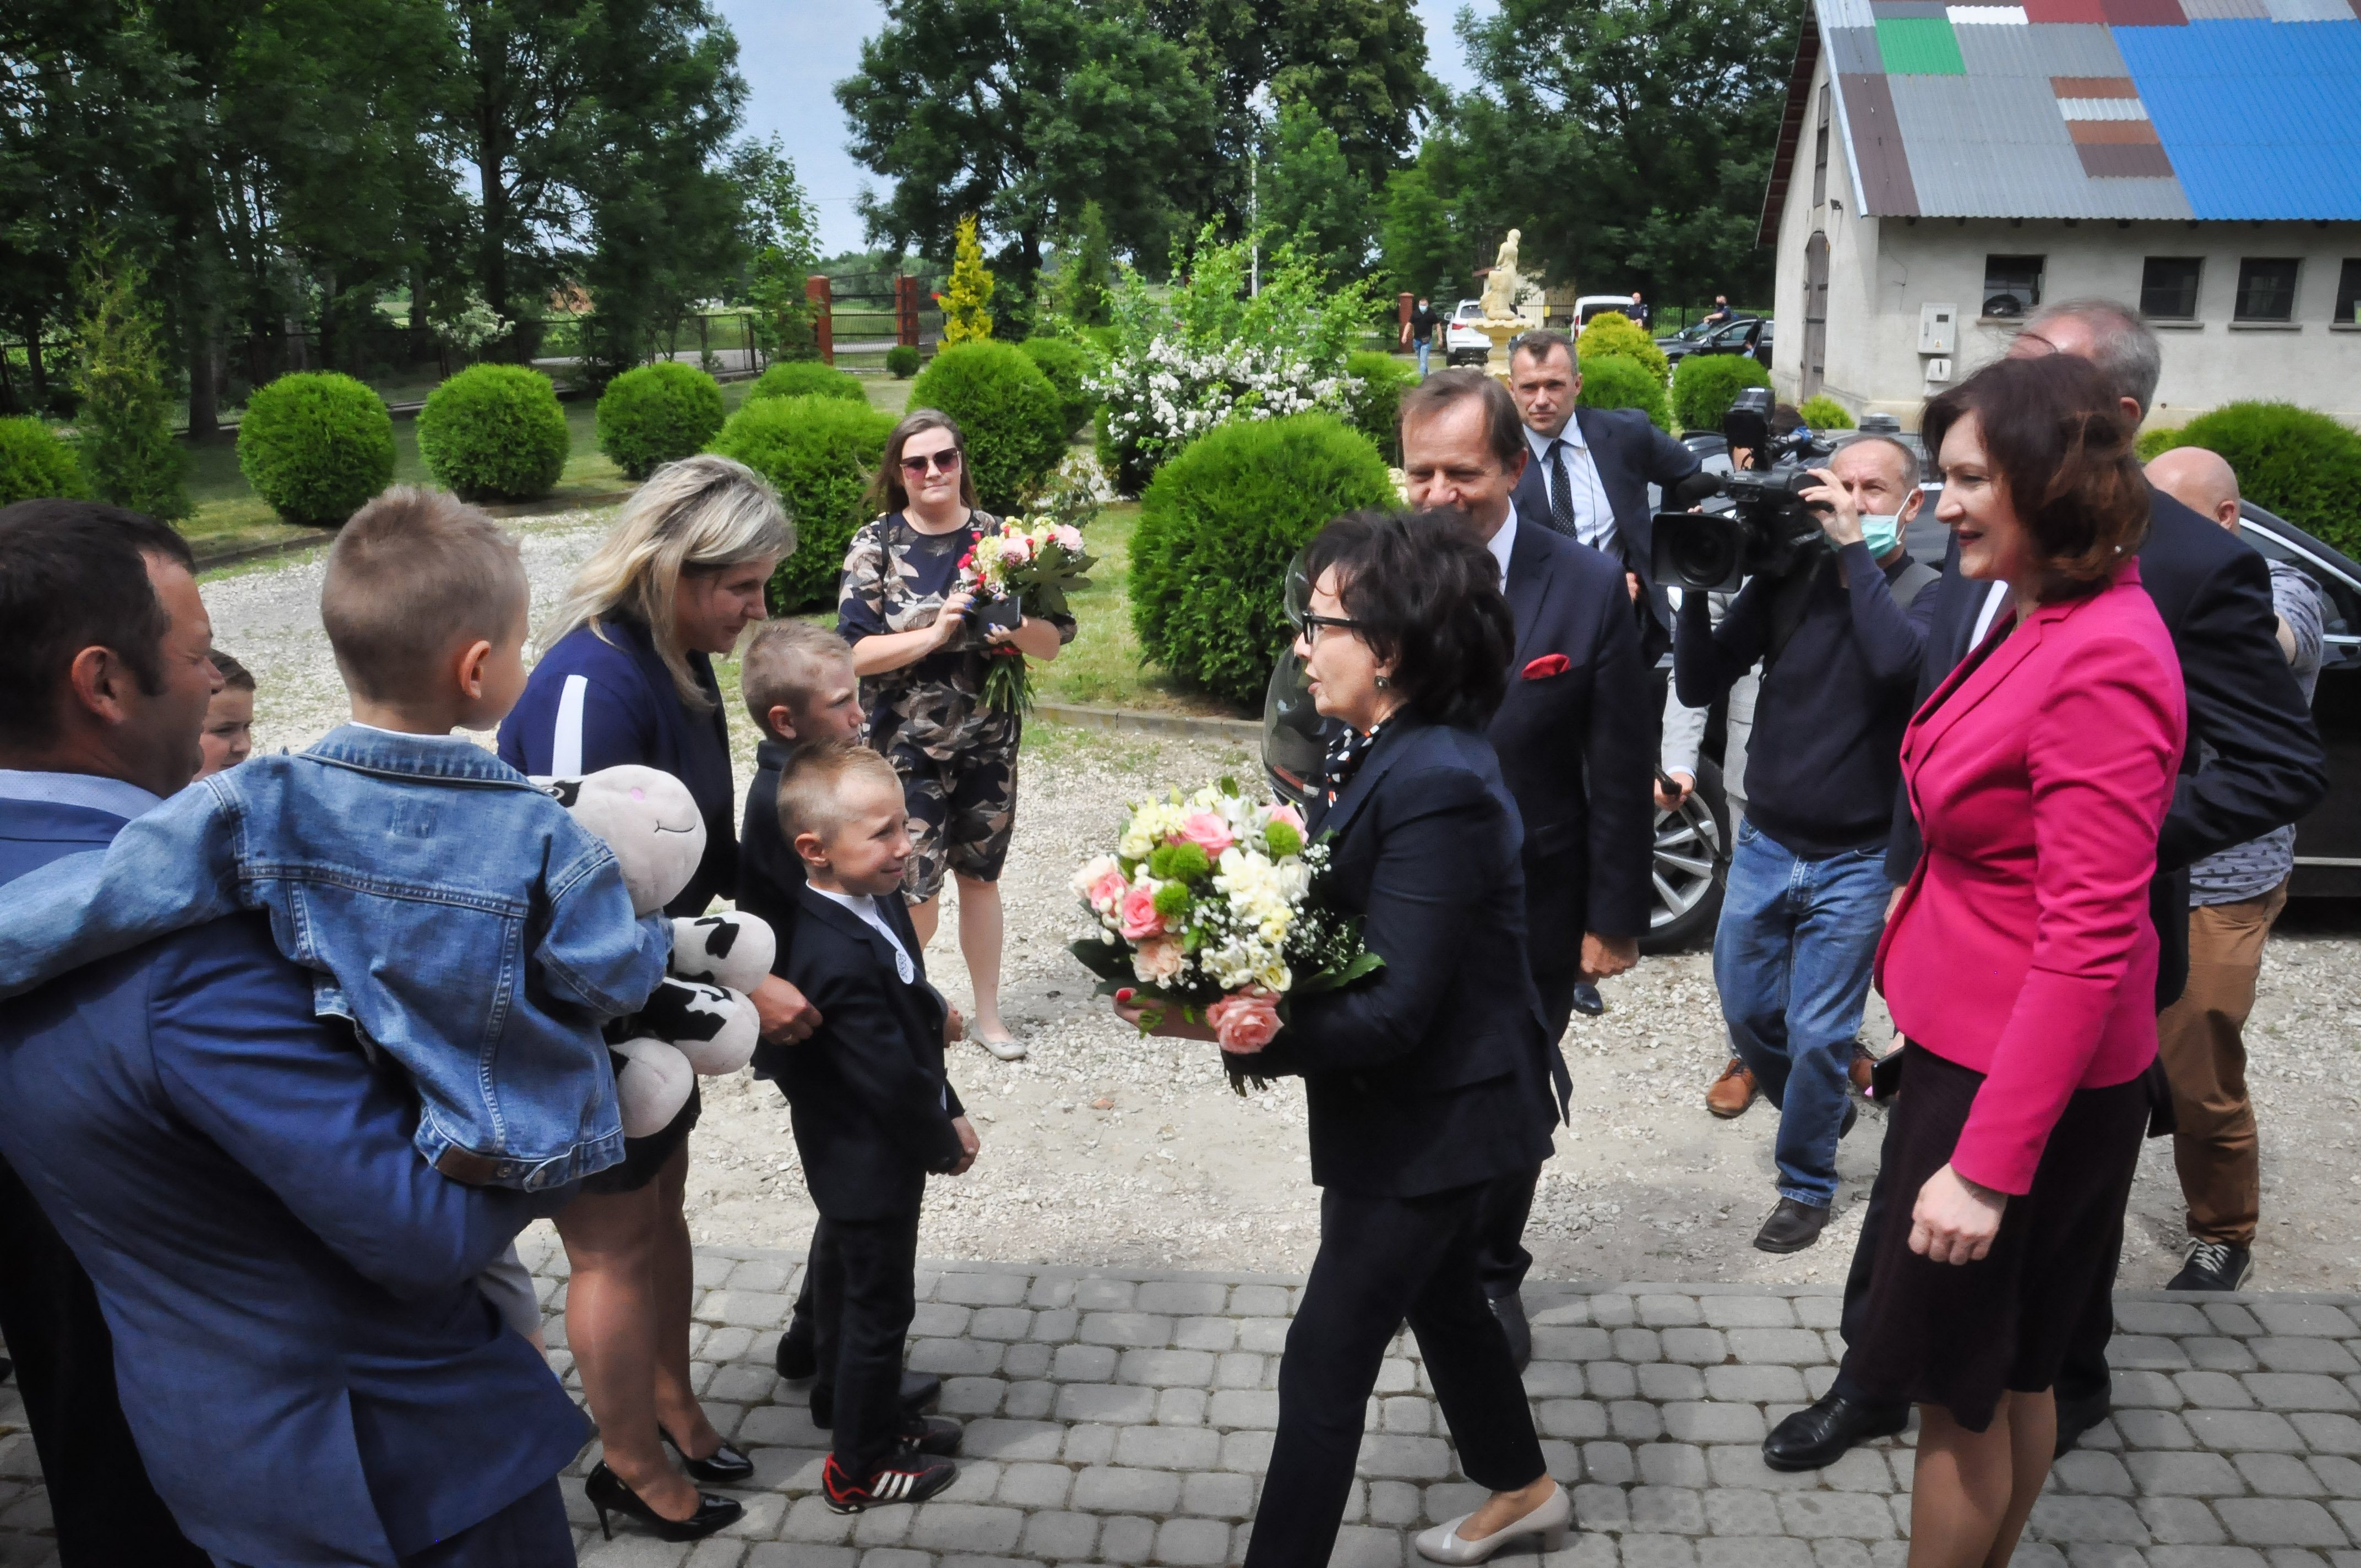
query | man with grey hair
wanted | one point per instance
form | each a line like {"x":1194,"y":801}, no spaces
{"x":2262,"y":766}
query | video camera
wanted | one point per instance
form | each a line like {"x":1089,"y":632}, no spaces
{"x":1768,"y":527}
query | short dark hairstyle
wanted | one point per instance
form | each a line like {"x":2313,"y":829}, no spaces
{"x":74,"y":574}
{"x":1427,"y":595}
{"x":1504,"y":431}
{"x":234,"y":676}
{"x":2057,"y":442}
{"x":1540,"y":343}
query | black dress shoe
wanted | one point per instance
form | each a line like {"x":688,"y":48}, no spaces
{"x":919,"y":1389}
{"x":1791,"y":1227}
{"x":1510,"y":1310}
{"x":2075,"y":1417}
{"x":725,"y":1466}
{"x":1817,"y":1435}
{"x":1588,"y":1001}
{"x":796,"y":1360}
{"x":606,"y":1491}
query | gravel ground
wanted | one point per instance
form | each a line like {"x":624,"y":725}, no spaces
{"x":1104,"y":1148}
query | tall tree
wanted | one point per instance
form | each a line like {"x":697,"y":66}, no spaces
{"x":1310,"y":194}
{"x":1422,"y":256}
{"x":1020,"y":111}
{"x":781,"y":235}
{"x":1628,"y":139}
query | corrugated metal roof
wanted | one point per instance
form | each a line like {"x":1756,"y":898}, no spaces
{"x":2252,"y":108}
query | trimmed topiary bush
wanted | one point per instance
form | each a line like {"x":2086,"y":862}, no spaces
{"x":34,"y":463}
{"x":1373,"y":398}
{"x":1705,"y":384}
{"x":1011,"y":417}
{"x":806,"y":378}
{"x":819,"y":452}
{"x":1612,"y":381}
{"x":2302,"y":465}
{"x":494,"y":432}
{"x":1612,"y":332}
{"x":902,"y":361}
{"x":1822,"y":413}
{"x":1068,"y":364}
{"x":656,"y":413}
{"x":1217,"y":526}
{"x":315,"y":446}
{"x":2163,"y":438}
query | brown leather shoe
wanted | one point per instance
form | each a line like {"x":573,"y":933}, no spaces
{"x":1733,"y":1092}
{"x":1860,"y":1070}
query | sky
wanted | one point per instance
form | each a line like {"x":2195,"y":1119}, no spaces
{"x":793,"y":52}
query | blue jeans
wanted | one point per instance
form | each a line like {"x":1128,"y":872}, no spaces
{"x":1792,"y":959}
{"x":1422,"y":344}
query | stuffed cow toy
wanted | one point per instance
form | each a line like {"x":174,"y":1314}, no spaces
{"x":699,"y":1023}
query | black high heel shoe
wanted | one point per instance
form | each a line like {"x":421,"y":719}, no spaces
{"x":606,"y":1490}
{"x":725,"y":1466}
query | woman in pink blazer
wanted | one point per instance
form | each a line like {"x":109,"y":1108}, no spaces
{"x":2020,"y":963}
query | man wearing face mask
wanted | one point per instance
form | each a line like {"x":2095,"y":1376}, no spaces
{"x":1840,"y":636}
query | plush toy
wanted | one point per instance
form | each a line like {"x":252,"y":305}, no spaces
{"x":699,"y":1023}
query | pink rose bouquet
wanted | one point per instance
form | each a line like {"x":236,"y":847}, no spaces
{"x":1038,"y":564}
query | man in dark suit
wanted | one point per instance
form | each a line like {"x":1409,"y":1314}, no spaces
{"x":2253,"y":763}
{"x":308,"y":1367}
{"x":1590,"y":472}
{"x":1575,"y":737}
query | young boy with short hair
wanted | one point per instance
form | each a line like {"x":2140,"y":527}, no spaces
{"x":450,"y":909}
{"x":797,"y":680}
{"x":873,"y":1116}
{"x":228,"y":738}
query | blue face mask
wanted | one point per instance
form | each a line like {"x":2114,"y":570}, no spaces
{"x":1880,"y":533}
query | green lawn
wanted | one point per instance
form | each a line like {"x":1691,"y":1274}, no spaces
{"x":1101,"y":667}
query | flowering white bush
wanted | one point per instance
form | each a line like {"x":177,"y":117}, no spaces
{"x":1165,"y":397}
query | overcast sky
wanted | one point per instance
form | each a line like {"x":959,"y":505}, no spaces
{"x":794,"y":52}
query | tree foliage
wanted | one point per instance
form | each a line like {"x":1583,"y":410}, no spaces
{"x":1311,"y":194}
{"x":1422,"y":257}
{"x":1662,"y":114}
{"x":125,"y":421}
{"x":781,"y":235}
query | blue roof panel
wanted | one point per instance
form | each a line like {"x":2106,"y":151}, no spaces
{"x":2261,"y":119}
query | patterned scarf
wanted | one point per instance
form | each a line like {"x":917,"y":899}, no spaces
{"x":1343,"y":760}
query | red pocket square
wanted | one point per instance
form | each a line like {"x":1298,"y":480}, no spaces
{"x":1548,"y":664}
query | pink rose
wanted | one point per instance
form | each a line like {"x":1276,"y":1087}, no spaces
{"x":1157,"y":961}
{"x":1208,"y":832}
{"x":1106,"y":895}
{"x":1288,"y":815}
{"x":1245,"y":1022}
{"x":1070,"y":539}
{"x":1016,"y":549}
{"x":1139,"y":913}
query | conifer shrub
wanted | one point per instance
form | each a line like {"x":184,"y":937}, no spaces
{"x":819,"y":452}
{"x":35,"y":464}
{"x":1373,"y":398}
{"x":1013,"y":421}
{"x":656,"y":413}
{"x":804,"y":379}
{"x":902,"y":361}
{"x":1611,"y":381}
{"x":315,"y":446}
{"x":494,"y":432}
{"x":1704,"y":386}
{"x":2295,"y":462}
{"x":1612,"y":332}
{"x":1067,"y":363}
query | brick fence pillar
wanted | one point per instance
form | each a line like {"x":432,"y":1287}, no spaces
{"x":905,"y":312}
{"x":823,"y":320}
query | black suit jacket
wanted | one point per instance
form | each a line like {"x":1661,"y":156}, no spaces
{"x":770,"y":873}
{"x":1630,"y":453}
{"x":2265,"y":767}
{"x":869,"y":1098}
{"x":1577,"y":748}
{"x":1431,"y":1074}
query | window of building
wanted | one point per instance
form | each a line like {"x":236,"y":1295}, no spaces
{"x":1821,"y":153}
{"x":2267,"y":288}
{"x":2012,"y":284}
{"x":2169,"y":288}
{"x":2348,"y":293}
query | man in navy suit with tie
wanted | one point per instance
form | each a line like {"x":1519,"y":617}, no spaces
{"x":1590,"y":472}
{"x":1575,"y":737}
{"x":308,"y":1368}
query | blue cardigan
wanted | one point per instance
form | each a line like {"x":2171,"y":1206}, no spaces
{"x":304,"y":1359}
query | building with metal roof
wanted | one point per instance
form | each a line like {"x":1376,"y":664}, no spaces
{"x":1943,"y":168}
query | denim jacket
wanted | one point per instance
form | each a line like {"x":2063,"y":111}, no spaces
{"x":455,"y":913}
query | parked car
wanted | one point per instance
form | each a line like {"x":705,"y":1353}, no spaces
{"x":1590,"y":305}
{"x":1740,"y":335}
{"x":1462,"y":344}
{"x":2327,"y":842}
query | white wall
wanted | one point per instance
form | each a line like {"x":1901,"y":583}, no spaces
{"x":1882,"y":269}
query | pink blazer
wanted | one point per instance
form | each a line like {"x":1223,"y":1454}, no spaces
{"x":2022,"y":946}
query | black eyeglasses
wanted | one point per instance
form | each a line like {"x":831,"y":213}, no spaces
{"x":946,"y":462}
{"x":1312,"y":625}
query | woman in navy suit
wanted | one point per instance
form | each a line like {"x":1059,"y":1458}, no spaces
{"x":1428,"y":1079}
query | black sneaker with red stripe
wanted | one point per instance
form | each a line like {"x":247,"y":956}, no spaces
{"x":910,"y":1477}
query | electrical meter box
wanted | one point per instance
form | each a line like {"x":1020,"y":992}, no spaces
{"x":1939,"y":330}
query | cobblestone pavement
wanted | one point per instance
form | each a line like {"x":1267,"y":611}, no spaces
{"x":1121,"y":1417}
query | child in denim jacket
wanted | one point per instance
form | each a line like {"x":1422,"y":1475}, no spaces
{"x":455,"y":913}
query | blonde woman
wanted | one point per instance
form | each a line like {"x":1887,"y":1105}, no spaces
{"x":628,"y":677}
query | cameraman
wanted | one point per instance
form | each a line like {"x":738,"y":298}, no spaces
{"x":1838,"y":634}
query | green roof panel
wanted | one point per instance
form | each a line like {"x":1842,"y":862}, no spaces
{"x":1919,"y":46}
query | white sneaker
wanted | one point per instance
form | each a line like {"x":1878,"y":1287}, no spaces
{"x":1550,"y":1520}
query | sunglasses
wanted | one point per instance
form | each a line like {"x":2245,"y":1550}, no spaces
{"x":946,"y":462}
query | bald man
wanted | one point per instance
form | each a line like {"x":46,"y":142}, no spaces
{"x":2233,"y":897}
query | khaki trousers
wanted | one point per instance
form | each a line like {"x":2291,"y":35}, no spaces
{"x":2202,"y":1039}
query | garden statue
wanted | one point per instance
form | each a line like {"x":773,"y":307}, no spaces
{"x":1501,"y":285}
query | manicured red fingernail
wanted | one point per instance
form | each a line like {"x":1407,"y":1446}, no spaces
{"x":1123,"y":996}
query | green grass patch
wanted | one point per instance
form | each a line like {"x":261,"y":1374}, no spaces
{"x":1101,"y":667}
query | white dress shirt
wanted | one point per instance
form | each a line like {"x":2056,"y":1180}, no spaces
{"x":1503,"y":541}
{"x":1996,"y":600}
{"x":1594,"y":518}
{"x":866,"y":910}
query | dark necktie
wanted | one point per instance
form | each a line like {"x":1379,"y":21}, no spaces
{"x":1561,"y":491}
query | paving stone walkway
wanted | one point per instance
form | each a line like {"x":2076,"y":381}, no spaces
{"x":1119,"y":1417}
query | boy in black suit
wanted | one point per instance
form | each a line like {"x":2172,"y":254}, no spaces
{"x":873,"y":1116}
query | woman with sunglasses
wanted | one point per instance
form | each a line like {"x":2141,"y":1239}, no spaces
{"x":921,"y":658}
